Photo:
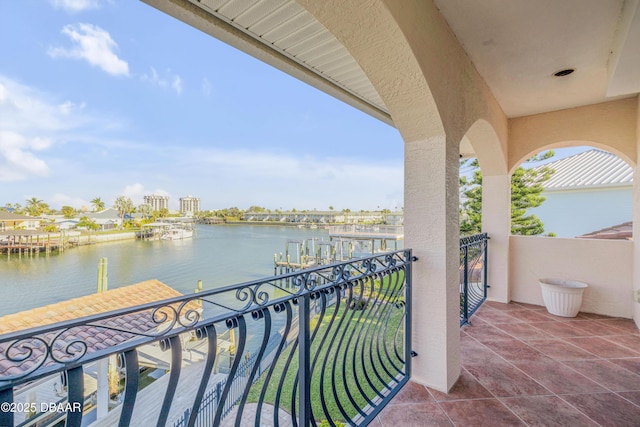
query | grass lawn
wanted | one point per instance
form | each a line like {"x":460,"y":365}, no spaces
{"x":352,"y":357}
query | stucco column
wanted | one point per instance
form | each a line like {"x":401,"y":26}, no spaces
{"x":496,"y":222}
{"x":636,"y":224}
{"x":432,"y":231}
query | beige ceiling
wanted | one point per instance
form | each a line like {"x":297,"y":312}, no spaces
{"x":516,"y":45}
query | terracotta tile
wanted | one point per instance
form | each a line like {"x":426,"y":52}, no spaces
{"x":532,"y":316}
{"x":504,"y":380}
{"x":560,"y":329}
{"x":632,"y":396}
{"x":545,"y":411}
{"x":607,"y":409}
{"x":607,"y":374}
{"x":523,"y":331}
{"x":601,"y":347}
{"x":558,"y":378}
{"x":595,"y":316}
{"x":487,"y":333}
{"x":467,"y":387}
{"x":496,"y":316}
{"x":414,"y":415}
{"x":597,"y":328}
{"x":483,"y":412}
{"x":412,"y":393}
{"x":529,"y":306}
{"x":629,"y":341}
{"x":376,"y":423}
{"x":473,"y":352}
{"x":502,"y":306}
{"x":560,"y":350}
{"x":632,"y":364}
{"x":627,"y":324}
{"x":516,"y":351}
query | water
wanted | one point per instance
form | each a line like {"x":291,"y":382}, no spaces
{"x":218,"y":255}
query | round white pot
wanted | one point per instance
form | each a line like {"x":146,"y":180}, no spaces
{"x":562,"y":297}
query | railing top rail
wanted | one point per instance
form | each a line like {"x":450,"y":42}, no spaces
{"x":470,"y":240}
{"x":365,"y":266}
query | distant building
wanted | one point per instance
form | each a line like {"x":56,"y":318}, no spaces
{"x":157,"y":202}
{"x":189,"y":205}
{"x":12,"y":221}
{"x":588,"y":191}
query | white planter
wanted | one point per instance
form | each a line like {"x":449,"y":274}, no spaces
{"x":562,"y":297}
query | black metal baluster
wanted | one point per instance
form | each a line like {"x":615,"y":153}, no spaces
{"x":257,"y":315}
{"x":174,"y":375}
{"x":334,"y":363}
{"x":236,"y":322}
{"x":284,"y":306}
{"x":209,"y":332}
{"x":129,"y":360}
{"x":323,"y":370}
{"x":304,"y":361}
{"x":75,"y":396}
{"x":6,"y":400}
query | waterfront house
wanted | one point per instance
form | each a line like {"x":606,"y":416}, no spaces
{"x":587,"y":191}
{"x":12,"y":221}
{"x":497,"y":80}
{"x":107,"y":219}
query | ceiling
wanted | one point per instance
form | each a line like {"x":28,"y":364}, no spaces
{"x":516,"y":45}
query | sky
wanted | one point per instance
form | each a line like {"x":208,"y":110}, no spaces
{"x":101,"y":98}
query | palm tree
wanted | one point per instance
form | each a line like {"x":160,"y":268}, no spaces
{"x":98,"y":204}
{"x":123,"y":205}
{"x":36,"y":207}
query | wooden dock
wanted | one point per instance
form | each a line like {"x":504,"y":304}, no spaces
{"x":30,"y":242}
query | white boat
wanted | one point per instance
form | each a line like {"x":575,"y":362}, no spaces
{"x":176,"y":233}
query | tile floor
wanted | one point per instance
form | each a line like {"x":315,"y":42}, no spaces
{"x":522,"y":366}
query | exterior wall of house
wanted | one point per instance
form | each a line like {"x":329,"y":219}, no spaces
{"x":636,"y":223}
{"x":571,"y":213}
{"x":424,"y":78}
{"x":610,"y":126}
{"x":605,"y":265}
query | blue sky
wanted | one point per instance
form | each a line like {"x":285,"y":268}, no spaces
{"x":103,"y":98}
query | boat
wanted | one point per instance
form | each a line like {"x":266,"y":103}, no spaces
{"x":177,"y":233}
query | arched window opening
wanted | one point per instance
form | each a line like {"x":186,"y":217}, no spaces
{"x":587,"y":195}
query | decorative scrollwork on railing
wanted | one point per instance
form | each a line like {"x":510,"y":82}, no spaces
{"x":53,"y":347}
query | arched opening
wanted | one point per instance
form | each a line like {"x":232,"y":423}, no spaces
{"x":580,"y":191}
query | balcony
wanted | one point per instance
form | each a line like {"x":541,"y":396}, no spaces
{"x":326,"y":344}
{"x":522,"y":366}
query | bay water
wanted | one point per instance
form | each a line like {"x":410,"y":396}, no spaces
{"x":219,"y":255}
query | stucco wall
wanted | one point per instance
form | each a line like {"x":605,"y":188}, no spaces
{"x":610,"y":126}
{"x":605,"y":265}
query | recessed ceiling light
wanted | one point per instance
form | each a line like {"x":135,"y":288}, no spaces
{"x":564,"y":72}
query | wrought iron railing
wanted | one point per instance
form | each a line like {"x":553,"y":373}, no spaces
{"x":473,"y":274}
{"x":334,"y":345}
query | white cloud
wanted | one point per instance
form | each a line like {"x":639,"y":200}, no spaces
{"x":68,"y":107}
{"x":137,"y":191}
{"x":59,"y":200}
{"x":207,"y":87}
{"x":17,"y":156}
{"x":168,"y":79}
{"x":35,"y":128}
{"x":303,"y":182}
{"x":75,"y":6}
{"x":177,"y":84}
{"x":94,"y":45}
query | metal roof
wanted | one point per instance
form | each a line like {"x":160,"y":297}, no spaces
{"x":286,"y":27}
{"x":593,"y":168}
